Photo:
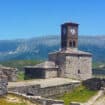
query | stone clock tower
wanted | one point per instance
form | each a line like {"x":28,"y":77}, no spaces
{"x":72,"y":62}
{"x":69,"y":36}
{"x":69,"y":62}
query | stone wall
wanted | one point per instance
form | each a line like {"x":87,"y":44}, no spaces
{"x":51,"y":73}
{"x":78,"y":67}
{"x":94,"y":83}
{"x":73,"y":66}
{"x":36,"y":90}
{"x":32,"y":73}
{"x":40,"y":100}
{"x":3,"y":84}
{"x":59,"y":59}
{"x":11,"y":73}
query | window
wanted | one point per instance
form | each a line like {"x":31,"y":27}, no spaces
{"x":70,"y":43}
{"x":79,"y":72}
{"x":74,"y":44}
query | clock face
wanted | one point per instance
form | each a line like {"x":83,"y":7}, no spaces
{"x":72,"y":31}
{"x":64,"y":31}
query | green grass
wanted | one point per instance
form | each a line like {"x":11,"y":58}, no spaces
{"x":20,"y":76}
{"x":97,"y":64}
{"x":79,"y":94}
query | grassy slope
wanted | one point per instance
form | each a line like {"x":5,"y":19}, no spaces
{"x":80,"y":94}
{"x":11,"y":99}
{"x":97,"y":64}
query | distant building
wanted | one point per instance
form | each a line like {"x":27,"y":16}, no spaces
{"x":46,"y":69}
{"x":68,"y":62}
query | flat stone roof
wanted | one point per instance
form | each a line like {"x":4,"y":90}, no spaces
{"x":43,"y":82}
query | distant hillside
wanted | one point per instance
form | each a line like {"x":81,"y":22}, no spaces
{"x":38,"y":48}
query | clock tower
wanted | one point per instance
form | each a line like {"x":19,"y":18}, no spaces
{"x":69,"y":36}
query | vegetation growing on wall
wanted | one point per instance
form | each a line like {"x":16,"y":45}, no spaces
{"x":79,"y":94}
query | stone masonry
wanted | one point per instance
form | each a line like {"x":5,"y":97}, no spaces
{"x":11,"y":73}
{"x":70,"y":62}
{"x":3,"y":84}
{"x":44,"y":87}
{"x":73,"y":64}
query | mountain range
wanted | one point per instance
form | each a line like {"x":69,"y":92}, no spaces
{"x":39,"y":47}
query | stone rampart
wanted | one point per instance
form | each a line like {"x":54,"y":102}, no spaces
{"x":37,"y":90}
{"x":40,"y":100}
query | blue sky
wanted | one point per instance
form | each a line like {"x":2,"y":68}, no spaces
{"x":31,"y":18}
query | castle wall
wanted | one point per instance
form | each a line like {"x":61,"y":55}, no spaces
{"x":78,"y":67}
{"x":32,"y":73}
{"x":59,"y":59}
{"x":73,"y":66}
{"x":37,"y":90}
{"x":51,"y":74}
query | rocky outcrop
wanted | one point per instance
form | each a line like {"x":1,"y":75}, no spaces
{"x":94,"y":83}
{"x":11,"y":73}
{"x":3,"y":84}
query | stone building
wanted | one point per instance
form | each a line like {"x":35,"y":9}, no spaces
{"x":46,"y":69}
{"x":10,"y":73}
{"x":71,"y":62}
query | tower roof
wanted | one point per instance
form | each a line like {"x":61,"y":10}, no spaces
{"x":70,"y":23}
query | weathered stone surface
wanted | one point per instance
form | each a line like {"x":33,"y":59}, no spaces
{"x":11,"y":73}
{"x":37,"y":90}
{"x":3,"y":84}
{"x":47,"y":69}
{"x":40,"y":100}
{"x":94,"y":83}
{"x":73,"y":64}
{"x":32,"y":73}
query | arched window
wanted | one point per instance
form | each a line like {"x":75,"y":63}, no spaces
{"x":70,"y":43}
